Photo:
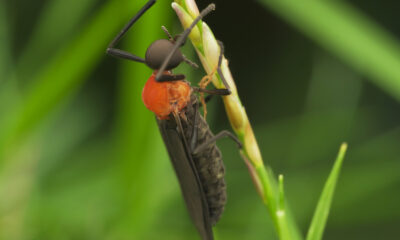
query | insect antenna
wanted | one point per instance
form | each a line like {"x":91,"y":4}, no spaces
{"x":167,"y":33}
{"x":184,"y":57}
{"x":188,"y":61}
{"x":183,"y":37}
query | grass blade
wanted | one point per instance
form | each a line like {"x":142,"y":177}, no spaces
{"x":8,"y":88}
{"x":207,"y":48}
{"x":5,"y":57}
{"x":322,"y":211}
{"x":63,"y":74}
{"x":284,"y":231}
{"x":349,"y":34}
{"x":54,"y":28}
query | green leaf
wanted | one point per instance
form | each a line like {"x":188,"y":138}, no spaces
{"x":8,"y":88}
{"x":63,"y":75}
{"x":322,"y":211}
{"x":4,"y":43}
{"x":55,"y":27}
{"x":284,"y":231}
{"x":348,"y":34}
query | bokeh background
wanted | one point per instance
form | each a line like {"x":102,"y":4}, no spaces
{"x":81,"y":158}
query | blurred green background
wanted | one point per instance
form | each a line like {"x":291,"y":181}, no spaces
{"x":81,"y":157}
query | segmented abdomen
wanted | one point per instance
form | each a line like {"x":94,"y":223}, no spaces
{"x":209,"y":165}
{"x":212,"y":172}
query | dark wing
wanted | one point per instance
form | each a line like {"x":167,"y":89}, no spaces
{"x":189,"y":180}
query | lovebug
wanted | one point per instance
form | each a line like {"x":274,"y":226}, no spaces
{"x":189,"y":141}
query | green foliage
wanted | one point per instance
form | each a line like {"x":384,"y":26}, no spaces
{"x":271,"y":194}
{"x":81,"y":157}
{"x":348,"y":34}
{"x":324,"y":204}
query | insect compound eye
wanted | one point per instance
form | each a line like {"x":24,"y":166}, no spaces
{"x":158,"y":51}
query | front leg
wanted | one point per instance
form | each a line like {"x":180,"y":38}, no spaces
{"x":221,"y":54}
{"x":220,"y":92}
{"x":171,"y":78}
{"x":111,"y":50}
{"x":207,"y":79}
{"x":118,"y":53}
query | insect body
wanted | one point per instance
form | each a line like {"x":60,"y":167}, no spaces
{"x":207,"y":158}
{"x":190,"y":143}
{"x":198,"y":165}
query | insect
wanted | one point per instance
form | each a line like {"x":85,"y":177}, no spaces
{"x":190,"y":143}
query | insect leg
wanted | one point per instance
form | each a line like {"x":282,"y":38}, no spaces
{"x":207,"y":79}
{"x":221,"y":54}
{"x":208,"y":98}
{"x":123,"y":54}
{"x":194,"y":131}
{"x":212,"y":140}
{"x":171,"y":77}
{"x":118,"y":53}
{"x":222,"y":92}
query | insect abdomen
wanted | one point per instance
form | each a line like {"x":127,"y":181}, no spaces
{"x":211,"y":171}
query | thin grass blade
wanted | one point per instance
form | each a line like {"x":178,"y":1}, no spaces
{"x":284,"y":231}
{"x":4,"y":43}
{"x":62,"y":75}
{"x":58,"y":23}
{"x":348,"y":34}
{"x":320,"y":218}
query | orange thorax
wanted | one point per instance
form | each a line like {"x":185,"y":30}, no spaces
{"x":163,"y":98}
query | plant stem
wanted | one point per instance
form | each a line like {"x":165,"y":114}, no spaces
{"x":208,"y":51}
